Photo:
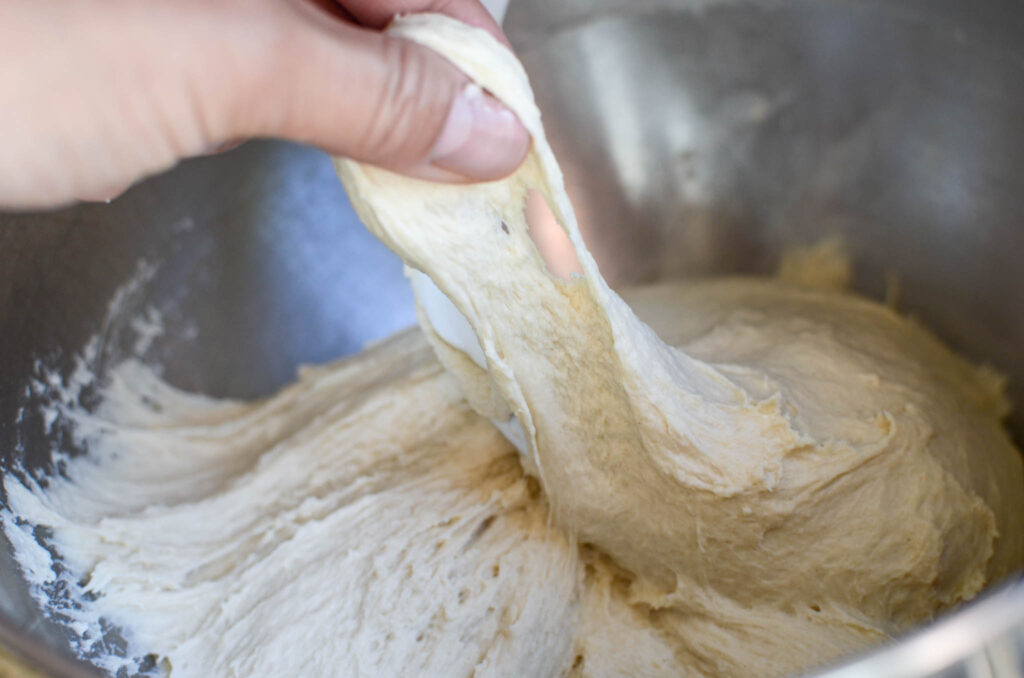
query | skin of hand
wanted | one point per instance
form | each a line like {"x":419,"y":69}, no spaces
{"x":97,"y":94}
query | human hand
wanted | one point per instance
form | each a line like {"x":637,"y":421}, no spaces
{"x":96,"y":94}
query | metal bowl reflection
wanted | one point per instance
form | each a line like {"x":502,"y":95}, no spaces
{"x":695,"y":140}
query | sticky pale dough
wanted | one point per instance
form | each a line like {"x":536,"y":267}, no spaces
{"x":733,"y":478}
{"x":804,"y":474}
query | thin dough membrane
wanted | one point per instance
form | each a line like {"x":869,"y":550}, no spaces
{"x":727,"y":478}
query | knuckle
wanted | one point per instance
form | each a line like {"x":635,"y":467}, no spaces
{"x":407,"y":105}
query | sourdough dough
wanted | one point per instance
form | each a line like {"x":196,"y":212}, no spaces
{"x":729,"y":478}
{"x":718,"y":473}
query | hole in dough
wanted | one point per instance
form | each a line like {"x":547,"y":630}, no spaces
{"x":550,"y":238}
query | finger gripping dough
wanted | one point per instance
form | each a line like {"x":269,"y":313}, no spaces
{"x":811,"y":459}
{"x":725,"y":478}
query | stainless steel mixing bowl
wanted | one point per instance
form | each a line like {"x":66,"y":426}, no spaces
{"x":696,"y":139}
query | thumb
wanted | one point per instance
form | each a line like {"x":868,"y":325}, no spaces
{"x":389,"y":102}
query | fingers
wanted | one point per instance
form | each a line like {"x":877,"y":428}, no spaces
{"x":385,"y":101}
{"x":111,"y":99}
{"x":132,"y":87}
{"x":378,"y":14}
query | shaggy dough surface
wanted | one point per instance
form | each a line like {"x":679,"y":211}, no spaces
{"x":735,"y":477}
{"x":718,"y":472}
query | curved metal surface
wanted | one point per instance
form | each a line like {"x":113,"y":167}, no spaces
{"x":984,"y":639}
{"x":696,"y":140}
{"x":255,"y":262}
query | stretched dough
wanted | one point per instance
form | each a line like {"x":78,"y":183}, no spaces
{"x":739,"y":477}
{"x":811,"y":469}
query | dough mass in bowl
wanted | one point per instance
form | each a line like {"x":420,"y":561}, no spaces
{"x":734,"y":477}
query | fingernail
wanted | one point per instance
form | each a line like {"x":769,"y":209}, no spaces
{"x":482,"y":139}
